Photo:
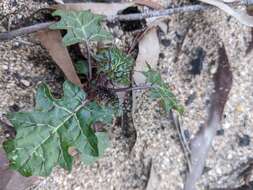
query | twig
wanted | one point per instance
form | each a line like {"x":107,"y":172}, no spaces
{"x":22,"y":31}
{"x":137,"y":39}
{"x":136,"y":16}
{"x":131,"y":88}
{"x":89,"y":59}
{"x":182,"y":139}
{"x":128,"y":17}
{"x":158,"y":13}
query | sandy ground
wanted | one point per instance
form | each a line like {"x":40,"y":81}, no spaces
{"x":156,"y":154}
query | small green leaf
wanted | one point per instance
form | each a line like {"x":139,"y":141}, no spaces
{"x":81,"y":26}
{"x":160,"y":91}
{"x":45,"y":134}
{"x":116,"y":65}
{"x":81,"y":67}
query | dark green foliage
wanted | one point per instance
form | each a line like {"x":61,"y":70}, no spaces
{"x":116,"y":65}
{"x":81,"y":67}
{"x":45,"y":134}
{"x":160,"y":91}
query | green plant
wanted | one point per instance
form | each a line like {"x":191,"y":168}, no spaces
{"x":45,"y":134}
{"x":81,"y":26}
{"x":115,"y":64}
{"x":160,"y":91}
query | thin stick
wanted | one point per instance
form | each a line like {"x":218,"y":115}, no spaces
{"x":22,"y":31}
{"x":182,"y":139}
{"x":89,"y":60}
{"x":128,"y":17}
{"x":158,"y":13}
{"x":131,"y":88}
{"x":136,"y":16}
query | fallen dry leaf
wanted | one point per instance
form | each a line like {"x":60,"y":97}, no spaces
{"x":149,"y":3}
{"x":154,"y":180}
{"x":244,"y":187}
{"x":149,"y":50}
{"x":52,"y":41}
{"x":11,"y":180}
{"x":241,"y":16}
{"x":107,"y":9}
{"x":201,"y":143}
{"x":59,"y":1}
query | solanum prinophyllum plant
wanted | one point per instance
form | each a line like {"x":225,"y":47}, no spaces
{"x":45,"y":134}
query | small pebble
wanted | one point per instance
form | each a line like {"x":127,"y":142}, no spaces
{"x":25,"y":82}
{"x":219,"y":171}
{"x":5,"y":67}
{"x":187,"y":134}
{"x":244,"y":140}
{"x":206,"y":169}
{"x":213,"y":69}
{"x":19,"y":16}
{"x":190,"y":99}
{"x":2,"y":29}
{"x":13,"y":3}
{"x":230,"y":156}
{"x":16,"y":45}
{"x":165,"y":42}
{"x":239,"y":109}
{"x":197,"y":61}
{"x":220,"y":132}
{"x":161,"y":55}
{"x":14,"y":108}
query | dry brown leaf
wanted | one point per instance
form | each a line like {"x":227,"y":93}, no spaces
{"x":241,"y":16}
{"x":154,"y":180}
{"x":52,"y":41}
{"x":107,"y":9}
{"x":149,"y":3}
{"x":11,"y":180}
{"x":243,"y":187}
{"x":201,"y":143}
{"x":59,"y":1}
{"x":149,"y":50}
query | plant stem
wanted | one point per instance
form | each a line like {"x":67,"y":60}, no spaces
{"x":131,"y":88}
{"x":89,"y":60}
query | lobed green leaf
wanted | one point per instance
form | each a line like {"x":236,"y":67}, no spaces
{"x":45,"y":134}
{"x":81,"y":26}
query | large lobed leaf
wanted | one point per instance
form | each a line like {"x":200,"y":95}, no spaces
{"x":160,"y":91}
{"x":45,"y":134}
{"x":116,"y":65}
{"x":81,"y":26}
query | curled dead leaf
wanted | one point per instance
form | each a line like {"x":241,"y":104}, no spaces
{"x":107,"y":9}
{"x":149,"y":3}
{"x":149,"y":50}
{"x":242,"y":17}
{"x":201,"y":143}
{"x":52,"y":41}
{"x":11,"y":180}
{"x":59,"y":1}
